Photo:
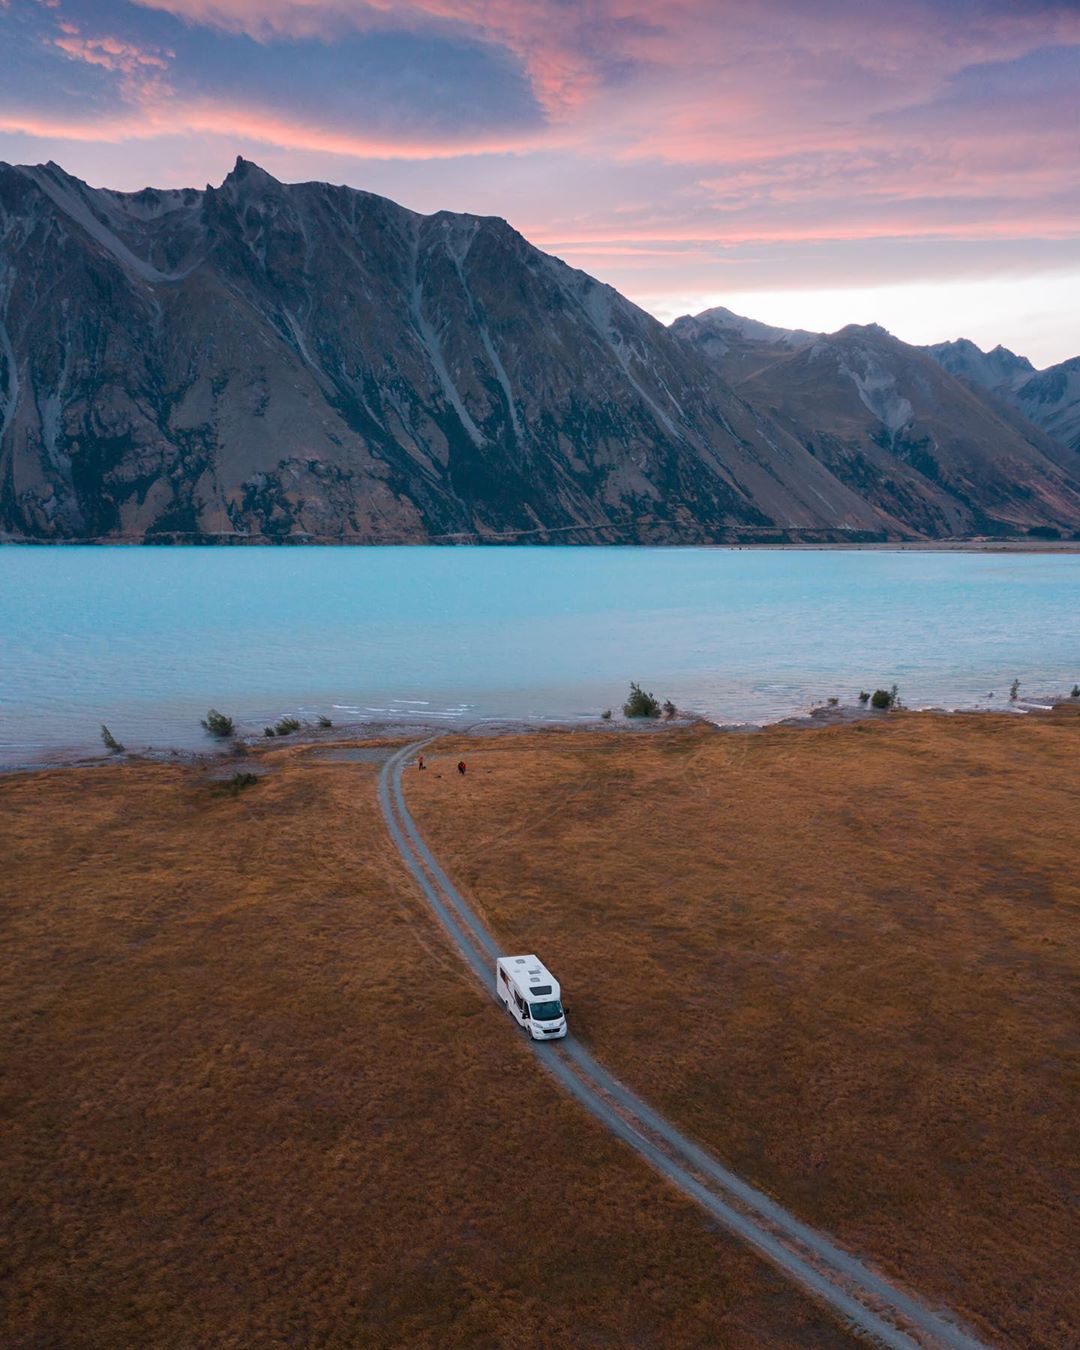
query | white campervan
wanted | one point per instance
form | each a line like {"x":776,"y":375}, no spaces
{"x":531,"y":995}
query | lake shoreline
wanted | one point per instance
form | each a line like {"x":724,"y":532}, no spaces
{"x":146,"y":642}
{"x":522,"y":540}
{"x":244,"y":748}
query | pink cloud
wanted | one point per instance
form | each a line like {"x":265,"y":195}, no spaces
{"x":241,"y":124}
{"x":543,"y":37}
{"x":140,"y":67}
{"x":108,"y":52}
{"x":914,"y":226}
{"x":678,"y":135}
{"x":569,"y":49}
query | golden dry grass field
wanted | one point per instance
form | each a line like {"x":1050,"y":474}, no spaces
{"x":250,"y":1098}
{"x":845,"y":959}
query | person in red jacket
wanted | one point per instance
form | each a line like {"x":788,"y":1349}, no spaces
{"x":461,"y":766}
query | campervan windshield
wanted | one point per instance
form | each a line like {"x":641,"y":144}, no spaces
{"x":546,"y":1012}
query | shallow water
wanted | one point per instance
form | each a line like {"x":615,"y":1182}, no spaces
{"x":145,"y":639}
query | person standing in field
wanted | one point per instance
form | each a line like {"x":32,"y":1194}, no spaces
{"x":461,"y":766}
{"x":420,"y":762}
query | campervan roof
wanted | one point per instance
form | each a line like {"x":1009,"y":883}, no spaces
{"x":531,"y":975}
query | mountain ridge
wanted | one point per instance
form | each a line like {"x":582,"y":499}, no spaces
{"x":284,"y":362}
{"x":1049,"y":398}
{"x":941,"y":451}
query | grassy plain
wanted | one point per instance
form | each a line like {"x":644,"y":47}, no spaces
{"x":251,"y":1099}
{"x":848,"y":960}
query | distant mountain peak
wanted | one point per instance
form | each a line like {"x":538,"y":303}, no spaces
{"x":1000,"y":371}
{"x":719,"y":330}
{"x":872,"y":330}
{"x":249,"y":174}
{"x":1007,"y":357}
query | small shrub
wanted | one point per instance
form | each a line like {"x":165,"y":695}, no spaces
{"x":285,"y":726}
{"x":1014,"y":691}
{"x":109,"y":741}
{"x":670,"y":709}
{"x":606,"y":714}
{"x":324,"y":721}
{"x":864,"y":697}
{"x":1075,"y":691}
{"x":218,"y":725}
{"x":233,"y":786}
{"x":882,"y":699}
{"x":268,"y":731}
{"x":641,"y":704}
{"x":834,"y":703}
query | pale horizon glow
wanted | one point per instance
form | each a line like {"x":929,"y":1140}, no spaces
{"x":809,"y":166}
{"x":921,"y":313}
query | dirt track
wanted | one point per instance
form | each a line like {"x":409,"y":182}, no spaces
{"x":865,"y":1300}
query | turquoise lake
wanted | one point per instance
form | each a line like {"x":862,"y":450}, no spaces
{"x":146,"y":639}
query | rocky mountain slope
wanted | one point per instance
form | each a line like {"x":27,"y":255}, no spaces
{"x":998,"y":371}
{"x":938,"y":450}
{"x":277,"y":361}
{"x":1049,"y":398}
{"x":262,"y":361}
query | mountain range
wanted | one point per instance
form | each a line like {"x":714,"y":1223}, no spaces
{"x":931,"y":445}
{"x":303,"y":362}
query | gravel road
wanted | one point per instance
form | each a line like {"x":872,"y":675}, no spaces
{"x":865,"y":1301}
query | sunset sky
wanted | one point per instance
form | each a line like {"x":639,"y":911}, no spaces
{"x":807,"y":162}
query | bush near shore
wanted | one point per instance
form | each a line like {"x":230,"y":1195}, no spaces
{"x":218,"y":725}
{"x":284,"y":726}
{"x":641,"y":704}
